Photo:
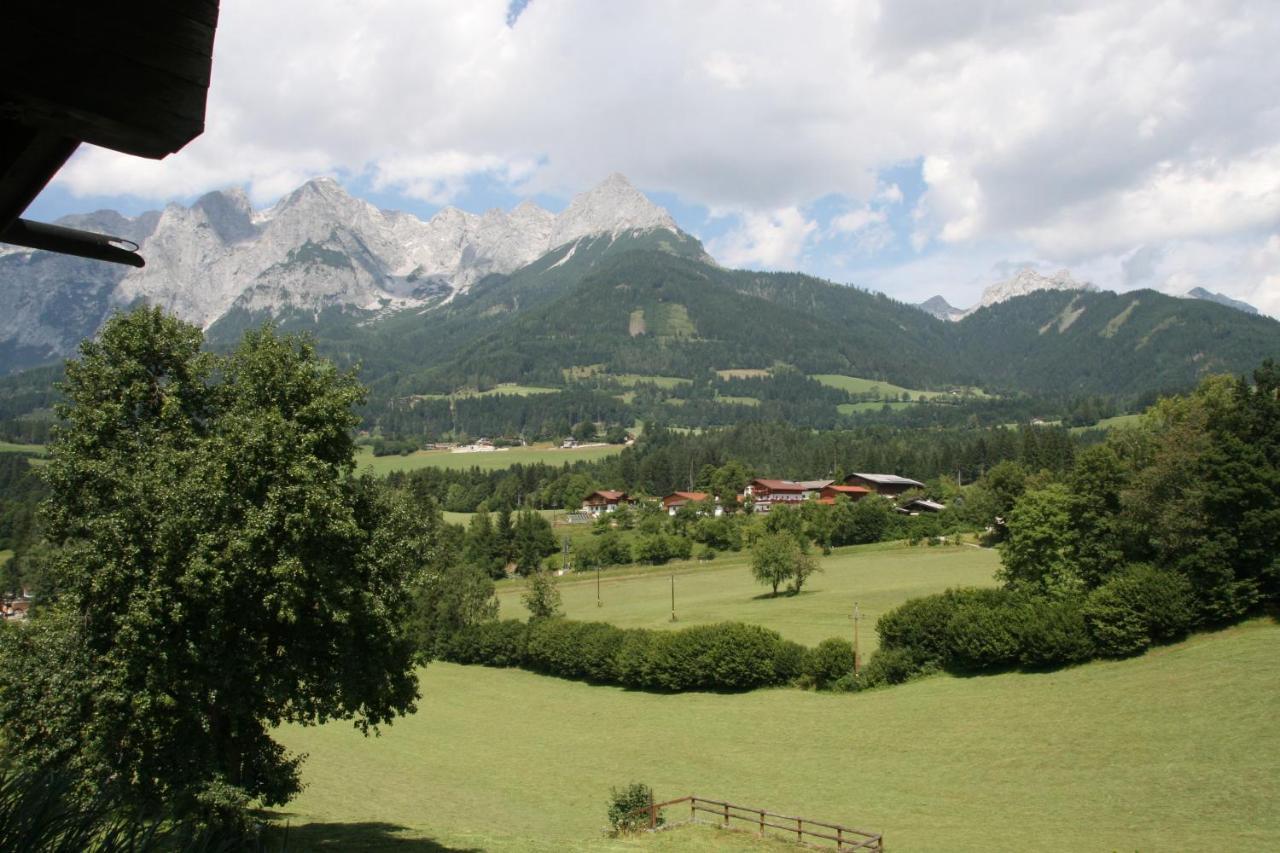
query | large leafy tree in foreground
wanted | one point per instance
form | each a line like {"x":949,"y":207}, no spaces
{"x":220,"y":571}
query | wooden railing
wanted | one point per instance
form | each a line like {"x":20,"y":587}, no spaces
{"x":803,"y":828}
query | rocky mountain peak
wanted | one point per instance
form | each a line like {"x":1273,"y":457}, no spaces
{"x":1221,"y":299}
{"x":612,"y":207}
{"x":1027,"y":281}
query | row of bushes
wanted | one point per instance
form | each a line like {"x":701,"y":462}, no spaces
{"x":980,"y":630}
{"x":727,"y":656}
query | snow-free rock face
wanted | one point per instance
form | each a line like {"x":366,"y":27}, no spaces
{"x":1029,"y":281}
{"x":941,"y":308}
{"x":1221,"y":299}
{"x":317,"y":248}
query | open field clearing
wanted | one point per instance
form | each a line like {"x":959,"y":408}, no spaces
{"x":878,"y":577}
{"x":1141,"y":754}
{"x":856,"y":385}
{"x":1112,"y":423}
{"x":10,"y":447}
{"x":492,"y":461}
{"x":631,"y":379}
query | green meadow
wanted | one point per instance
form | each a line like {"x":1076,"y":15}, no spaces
{"x":33,"y":449}
{"x":1178,"y":747}
{"x":496,"y":460}
{"x":856,"y":385}
{"x":877,"y":577}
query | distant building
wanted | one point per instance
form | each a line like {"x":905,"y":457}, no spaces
{"x":828,"y":494}
{"x":604,"y":500}
{"x":920,"y":505}
{"x":675,"y":500}
{"x":888,"y":485}
{"x":766,"y":493}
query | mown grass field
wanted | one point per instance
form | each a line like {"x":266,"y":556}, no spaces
{"x":877,"y":577}
{"x":381,"y":465}
{"x":10,"y":447}
{"x":1178,"y":749}
{"x":1112,"y":423}
{"x":857,"y":385}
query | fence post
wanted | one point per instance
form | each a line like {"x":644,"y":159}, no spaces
{"x":653,"y":813}
{"x":839,"y":838}
{"x":726,"y":814}
{"x":799,"y":831}
{"x":762,"y":823}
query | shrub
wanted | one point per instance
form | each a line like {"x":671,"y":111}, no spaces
{"x":890,"y":666}
{"x":788,"y":662}
{"x":1053,"y":633}
{"x":1136,"y":607}
{"x":983,"y":637}
{"x":628,"y":808}
{"x":920,"y":625}
{"x":828,"y":662}
{"x":489,"y":643}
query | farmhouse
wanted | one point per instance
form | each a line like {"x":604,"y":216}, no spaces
{"x":675,"y":500}
{"x":828,"y":494}
{"x":887,"y":485}
{"x":920,"y":505}
{"x":604,"y":500}
{"x":766,"y":493}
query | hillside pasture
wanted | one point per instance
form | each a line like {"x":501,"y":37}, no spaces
{"x":1141,"y":754}
{"x":857,"y":385}
{"x":29,"y":449}
{"x":877,"y":577}
{"x":491,"y":461}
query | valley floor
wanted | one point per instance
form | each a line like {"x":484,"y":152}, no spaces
{"x":1178,"y":749}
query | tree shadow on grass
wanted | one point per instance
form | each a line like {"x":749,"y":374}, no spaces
{"x":783,"y":594}
{"x":373,"y":836}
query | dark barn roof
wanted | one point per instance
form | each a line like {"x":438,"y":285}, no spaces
{"x":131,"y":77}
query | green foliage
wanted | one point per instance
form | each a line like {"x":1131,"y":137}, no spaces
{"x":1053,"y":633}
{"x":725,"y":656}
{"x":860,"y":522}
{"x":218,"y":570}
{"x":1140,"y":606}
{"x":45,"y":813}
{"x":829,"y":661}
{"x":541,"y":595}
{"x":446,"y":602}
{"x":628,"y":808}
{"x":777,"y":558}
{"x":659,"y":548}
{"x":499,"y":643}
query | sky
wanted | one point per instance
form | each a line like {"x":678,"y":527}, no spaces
{"x":916,"y":147}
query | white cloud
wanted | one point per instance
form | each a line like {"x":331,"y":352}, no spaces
{"x":771,"y":239}
{"x":1076,"y":131}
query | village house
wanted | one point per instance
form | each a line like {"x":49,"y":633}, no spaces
{"x":919,"y":505}
{"x":828,"y":494}
{"x":885,"y":485}
{"x":672,"y":502}
{"x":765,"y":493}
{"x":604,"y":500}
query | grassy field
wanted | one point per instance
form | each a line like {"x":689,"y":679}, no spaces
{"x":668,"y":382}
{"x":380,"y":465}
{"x":871,"y":406}
{"x":738,"y":401}
{"x":10,"y":447}
{"x":1111,"y":423}
{"x":1176,"y":748}
{"x":855,"y":385}
{"x":878,"y":577}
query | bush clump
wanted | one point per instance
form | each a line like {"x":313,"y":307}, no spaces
{"x":828,"y":662}
{"x":628,"y":809}
{"x":1136,"y":607}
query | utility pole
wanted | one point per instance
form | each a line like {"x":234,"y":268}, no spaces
{"x":564,"y":556}
{"x":673,"y":596}
{"x":598,"y":602}
{"x":856,"y":617}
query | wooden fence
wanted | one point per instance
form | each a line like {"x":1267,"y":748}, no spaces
{"x":804,"y":829}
